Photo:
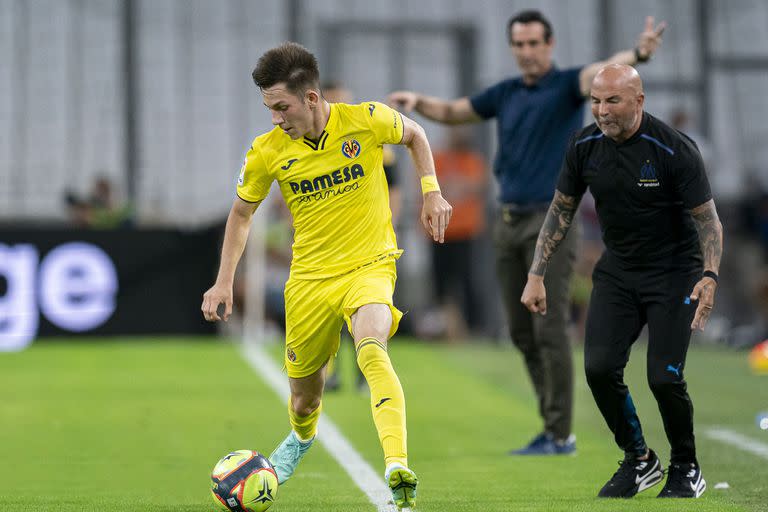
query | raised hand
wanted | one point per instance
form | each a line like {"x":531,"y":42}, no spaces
{"x":650,"y":38}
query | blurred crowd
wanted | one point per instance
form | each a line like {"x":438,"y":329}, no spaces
{"x":100,"y":208}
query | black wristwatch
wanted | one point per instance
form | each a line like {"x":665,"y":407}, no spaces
{"x":641,"y":58}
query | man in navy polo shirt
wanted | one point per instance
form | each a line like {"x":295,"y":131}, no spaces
{"x":663,"y":244}
{"x":537,"y":112}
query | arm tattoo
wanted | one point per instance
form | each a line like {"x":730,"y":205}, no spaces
{"x":710,"y":234}
{"x":553,"y":231}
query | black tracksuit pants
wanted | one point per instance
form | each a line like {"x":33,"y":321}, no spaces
{"x":622,"y":302}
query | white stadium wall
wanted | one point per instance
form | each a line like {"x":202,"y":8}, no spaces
{"x":62,"y":119}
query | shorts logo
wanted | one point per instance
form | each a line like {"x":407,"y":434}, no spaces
{"x":350,"y":148}
{"x":371,"y":108}
{"x":290,"y":354}
{"x":648,"y":175}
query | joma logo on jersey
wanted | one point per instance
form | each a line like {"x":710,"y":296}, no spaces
{"x":350,"y":148}
{"x":325,"y":181}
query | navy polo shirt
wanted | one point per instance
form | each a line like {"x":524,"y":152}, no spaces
{"x":534,"y":124}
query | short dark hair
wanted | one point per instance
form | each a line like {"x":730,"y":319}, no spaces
{"x":530,"y":16}
{"x":289,"y":63}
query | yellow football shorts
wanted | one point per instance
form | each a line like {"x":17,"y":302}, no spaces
{"x":315,"y":310}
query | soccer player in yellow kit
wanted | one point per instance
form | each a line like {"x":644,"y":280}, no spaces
{"x":327,"y":160}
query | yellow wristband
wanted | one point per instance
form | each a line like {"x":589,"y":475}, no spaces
{"x":429,"y":184}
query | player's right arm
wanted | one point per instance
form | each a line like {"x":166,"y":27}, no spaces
{"x":252,"y":187}
{"x":443,"y":111}
{"x":235,"y":237}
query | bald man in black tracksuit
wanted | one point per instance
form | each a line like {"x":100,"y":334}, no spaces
{"x":663,"y":248}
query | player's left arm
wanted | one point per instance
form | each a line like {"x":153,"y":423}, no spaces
{"x":647,"y":44}
{"x":711,"y":242}
{"x":435,"y":212}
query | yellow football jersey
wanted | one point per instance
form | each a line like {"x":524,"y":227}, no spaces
{"x":334,"y":187}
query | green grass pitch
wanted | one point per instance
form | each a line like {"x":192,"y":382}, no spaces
{"x":137,"y":425}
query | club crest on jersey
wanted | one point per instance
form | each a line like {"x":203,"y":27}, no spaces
{"x":648,"y":175}
{"x":290,"y":354}
{"x":350,"y":148}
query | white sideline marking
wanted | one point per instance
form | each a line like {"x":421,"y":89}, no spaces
{"x":738,"y":440}
{"x":364,"y":476}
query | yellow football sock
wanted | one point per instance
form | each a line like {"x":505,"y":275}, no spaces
{"x":304,"y":426}
{"x":387,"y":399}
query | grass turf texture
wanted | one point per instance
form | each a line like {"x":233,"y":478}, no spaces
{"x":138,"y":424}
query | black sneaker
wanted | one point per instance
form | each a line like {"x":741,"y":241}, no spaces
{"x":683,"y":481}
{"x":632,"y":477}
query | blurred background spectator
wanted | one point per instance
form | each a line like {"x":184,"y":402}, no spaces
{"x":100,"y":209}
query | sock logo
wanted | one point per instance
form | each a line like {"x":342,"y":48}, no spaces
{"x":382,"y":401}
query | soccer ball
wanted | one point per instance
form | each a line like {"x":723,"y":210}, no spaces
{"x":244,"y":481}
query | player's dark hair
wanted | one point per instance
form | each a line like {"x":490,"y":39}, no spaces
{"x":289,"y":63}
{"x":530,"y":16}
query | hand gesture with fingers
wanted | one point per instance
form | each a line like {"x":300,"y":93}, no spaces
{"x":216,"y":295}
{"x":435,"y":215}
{"x":650,"y":38}
{"x":704,"y":292}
